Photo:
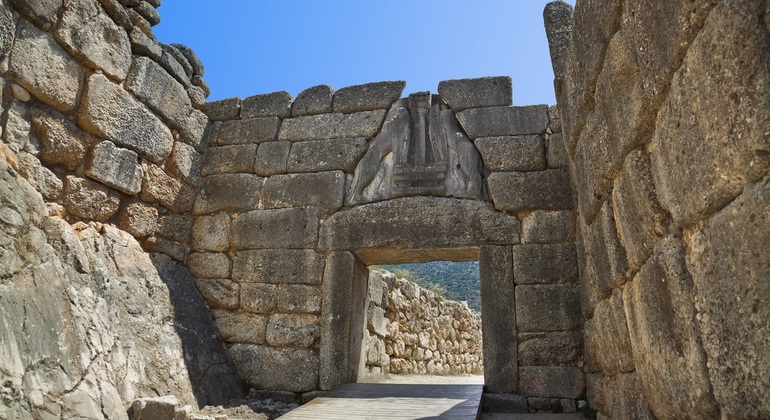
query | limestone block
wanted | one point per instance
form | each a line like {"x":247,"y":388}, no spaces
{"x":504,"y":403}
{"x":551,"y":381}
{"x":161,"y":408}
{"x":504,"y":121}
{"x":162,"y":93}
{"x":276,"y":104}
{"x":461,"y":94}
{"x":326,"y":155}
{"x":272,"y":158}
{"x":40,"y":177}
{"x":547,"y":308}
{"x":332,"y":126}
{"x":219,"y":293}
{"x":259,"y":298}
{"x":186,"y":162}
{"x":237,"y":327}
{"x":666,"y":342}
{"x":280,"y":228}
{"x":323,"y":190}
{"x":253,"y":130}
{"x":298,"y":298}
{"x":297,"y":266}
{"x":223,"y":109}
{"x":543,"y":190}
{"x":417,"y":223}
{"x":90,"y":35}
{"x":497,"y":296}
{"x":42,"y":67}
{"x":293,"y":330}
{"x":17,"y":133}
{"x":211,"y":233}
{"x":112,"y":113}
{"x":205,"y":265}
{"x":43,"y":12}
{"x":115,"y":167}
{"x":228,"y":192}
{"x":371,"y":96}
{"x":63,"y":143}
{"x":607,"y":342}
{"x":620,"y":397}
{"x":176,"y":227}
{"x":148,"y":12}
{"x":284,"y":369}
{"x":141,"y":44}
{"x":89,"y":200}
{"x":170,"y":192}
{"x":179,"y":58}
{"x":191,"y":57}
{"x":551,"y":348}
{"x":554,"y":119}
{"x":117,"y":13}
{"x":556,"y":152}
{"x":700,"y":173}
{"x":139,"y":219}
{"x":512,"y":153}
{"x":375,"y":320}
{"x":313,"y":101}
{"x":165,"y":246}
{"x":229,"y":159}
{"x":730,"y":267}
{"x":197,"y":97}
{"x":543,"y":226}
{"x":197,"y":80}
{"x":545,"y":264}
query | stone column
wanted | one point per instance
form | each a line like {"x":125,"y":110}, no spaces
{"x":344,"y":292}
{"x":498,"y":319}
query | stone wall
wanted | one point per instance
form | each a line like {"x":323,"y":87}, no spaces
{"x":665,"y":111}
{"x":411,"y":330}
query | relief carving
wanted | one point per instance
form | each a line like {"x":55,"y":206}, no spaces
{"x":421,"y":150}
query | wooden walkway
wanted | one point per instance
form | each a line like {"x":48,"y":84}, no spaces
{"x":394,"y":401}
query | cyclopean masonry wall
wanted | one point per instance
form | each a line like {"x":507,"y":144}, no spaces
{"x":413,"y":330}
{"x":299,"y":196}
{"x":665,"y":110}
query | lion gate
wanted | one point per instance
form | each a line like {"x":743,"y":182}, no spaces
{"x":299,"y":195}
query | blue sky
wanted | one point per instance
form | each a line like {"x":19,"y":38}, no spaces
{"x":261,"y":46}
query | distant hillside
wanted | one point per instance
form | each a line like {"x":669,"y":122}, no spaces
{"x":455,"y":281}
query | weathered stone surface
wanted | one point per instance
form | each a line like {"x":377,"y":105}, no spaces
{"x":259,"y":298}
{"x":666,"y":342}
{"x":543,"y":190}
{"x":504,"y":403}
{"x":313,"y":101}
{"x":504,"y":121}
{"x":272,"y":158}
{"x":552,"y":348}
{"x":332,"y":126}
{"x":41,"y":178}
{"x":197,"y":97}
{"x":281,"y":228}
{"x":161,"y":92}
{"x":43,"y":12}
{"x":730,"y":268}
{"x":223,"y":109}
{"x":298,"y":298}
{"x":276,"y":104}
{"x":219,"y":293}
{"x":512,"y":153}
{"x":253,"y":130}
{"x":206,"y":265}
{"x":547,"y":308}
{"x":17,"y":133}
{"x":556,"y":152}
{"x":112,"y":113}
{"x":543,"y":226}
{"x":167,"y":247}
{"x":371,"y":96}
{"x":554,"y":119}
{"x":176,"y":227}
{"x":375,"y":320}
{"x":607,"y":342}
{"x":228,"y":192}
{"x":90,"y":35}
{"x":236,"y":327}
{"x":294,"y":330}
{"x":229,"y":159}
{"x":551,"y":381}
{"x":557,"y":17}
{"x":179,"y":58}
{"x":708,"y":168}
{"x":418,"y":223}
{"x":497,"y":296}
{"x":170,"y":192}
{"x":211,"y":233}
{"x":148,"y":12}
{"x":63,"y":143}
{"x":191,"y":57}
{"x":461,"y":94}
{"x":89,"y":200}
{"x":323,"y":190}
{"x":326,"y":155}
{"x":620,"y":397}
{"x":117,"y":13}
{"x":303,"y":266}
{"x":144,"y":45}
{"x":43,"y":68}
{"x":115,"y":167}
{"x":545,"y":264}
{"x":186,"y":162}
{"x":139,"y":220}
{"x":283,"y":369}
{"x":7,"y":30}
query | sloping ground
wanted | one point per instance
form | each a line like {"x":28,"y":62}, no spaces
{"x":88,"y":322}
